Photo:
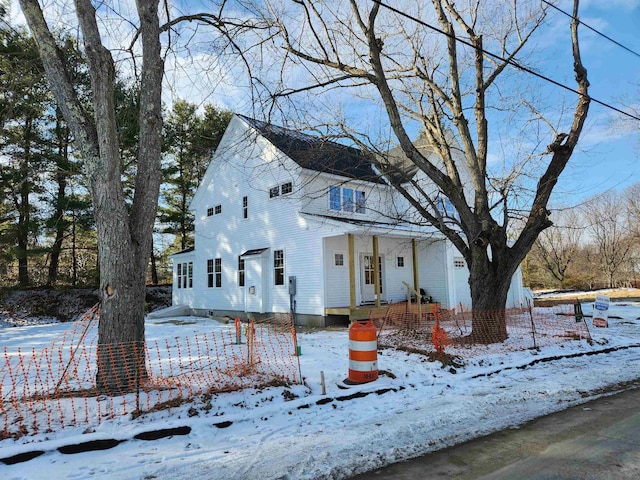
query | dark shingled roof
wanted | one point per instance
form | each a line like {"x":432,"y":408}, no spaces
{"x":317,"y":154}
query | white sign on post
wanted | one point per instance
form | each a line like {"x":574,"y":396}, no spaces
{"x":601,"y":311}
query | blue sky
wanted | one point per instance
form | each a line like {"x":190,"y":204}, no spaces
{"x":608,"y":156}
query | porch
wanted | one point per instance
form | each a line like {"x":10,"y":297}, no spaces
{"x":365,"y":312}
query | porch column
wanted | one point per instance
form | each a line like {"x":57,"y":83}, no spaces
{"x":416,"y":275}
{"x":376,"y":270}
{"x":352,"y":271}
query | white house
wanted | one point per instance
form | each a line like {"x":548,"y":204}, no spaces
{"x":287,"y":222}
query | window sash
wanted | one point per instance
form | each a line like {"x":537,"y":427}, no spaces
{"x":210,"y":273}
{"x":347,"y":200}
{"x":240,"y":272}
{"x":278,"y":267}
{"x":218,"y":271}
{"x":360,"y":202}
{"x":334,"y":198}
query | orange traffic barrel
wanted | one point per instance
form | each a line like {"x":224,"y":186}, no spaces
{"x":363,"y":353}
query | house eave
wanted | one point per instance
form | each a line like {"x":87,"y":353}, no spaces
{"x":366,"y":227}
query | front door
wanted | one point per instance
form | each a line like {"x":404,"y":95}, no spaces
{"x":367,"y":278}
{"x":253,"y":294}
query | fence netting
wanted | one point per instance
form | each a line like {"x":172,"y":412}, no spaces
{"x":47,"y":389}
{"x":466,"y":333}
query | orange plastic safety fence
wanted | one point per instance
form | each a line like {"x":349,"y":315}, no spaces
{"x":77,"y":382}
{"x":423,"y":329}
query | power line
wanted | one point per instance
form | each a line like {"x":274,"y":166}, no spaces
{"x":498,"y":57}
{"x":593,"y":29}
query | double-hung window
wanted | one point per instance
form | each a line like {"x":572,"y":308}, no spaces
{"x":214,"y":272}
{"x":210,"y":273}
{"x":360,"y":202}
{"x":278,"y":267}
{"x":334,"y":198}
{"x":218,"y":271}
{"x":347,"y":200}
{"x":240,"y":272}
{"x":185,"y":275}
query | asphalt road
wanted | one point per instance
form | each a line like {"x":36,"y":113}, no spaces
{"x":598,"y":440}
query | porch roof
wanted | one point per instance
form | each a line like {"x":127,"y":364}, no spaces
{"x":389,"y":229}
{"x":255,"y":251}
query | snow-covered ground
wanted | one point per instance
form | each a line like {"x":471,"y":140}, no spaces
{"x":300,"y":432}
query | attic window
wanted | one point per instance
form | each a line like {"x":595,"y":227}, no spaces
{"x":211,"y":211}
{"x":274,"y":191}
{"x":346,"y":199}
{"x":360,"y":208}
{"x":286,"y":188}
{"x":458,"y":263}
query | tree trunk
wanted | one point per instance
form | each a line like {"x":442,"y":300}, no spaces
{"x":124,"y":231}
{"x":154,"y":268}
{"x":489,"y":297}
{"x":74,"y":252}
{"x":24,"y":208}
{"x":121,"y":359}
{"x":62,"y":135}
{"x":489,"y":282}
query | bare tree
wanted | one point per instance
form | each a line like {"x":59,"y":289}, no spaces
{"x":124,"y":230}
{"x":558,"y":245}
{"x":124,"y":237}
{"x":611,"y":233}
{"x":436,"y":74}
{"x":631,"y":197}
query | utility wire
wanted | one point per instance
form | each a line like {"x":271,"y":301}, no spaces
{"x":498,"y":57}
{"x":593,"y":29}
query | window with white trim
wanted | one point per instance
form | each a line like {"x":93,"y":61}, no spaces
{"x":214,"y":272}
{"x":274,"y":191}
{"x":346,"y":199}
{"x":400,"y":262}
{"x":286,"y":188}
{"x":338,"y":259}
{"x":334,"y":198}
{"x":245,"y":207}
{"x":458,"y":263}
{"x":210,"y":212}
{"x":278,"y":267}
{"x":218,"y":269}
{"x":210,"y":273}
{"x":240,"y":272}
{"x":184,"y":275}
{"x":360,"y":202}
